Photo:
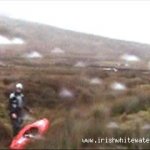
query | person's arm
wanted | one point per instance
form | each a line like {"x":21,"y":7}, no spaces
{"x":25,"y":105}
{"x":27,"y":108}
{"x":12,"y":106}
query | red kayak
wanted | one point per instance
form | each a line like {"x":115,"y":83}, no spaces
{"x":32,"y":130}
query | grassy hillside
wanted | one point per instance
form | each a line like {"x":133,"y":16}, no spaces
{"x":104,"y":101}
{"x":92,"y":49}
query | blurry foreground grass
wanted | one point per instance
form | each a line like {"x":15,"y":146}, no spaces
{"x":94,"y":110}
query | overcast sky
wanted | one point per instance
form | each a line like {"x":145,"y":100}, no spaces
{"x":126,"y":20}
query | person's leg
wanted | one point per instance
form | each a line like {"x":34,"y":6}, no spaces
{"x":16,"y":127}
{"x":16,"y":124}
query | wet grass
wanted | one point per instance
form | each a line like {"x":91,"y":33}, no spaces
{"x":87,"y":114}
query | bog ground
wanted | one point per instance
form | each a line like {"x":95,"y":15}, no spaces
{"x":87,"y":86}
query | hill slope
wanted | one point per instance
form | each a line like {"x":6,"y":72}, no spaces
{"x":95,"y":50}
